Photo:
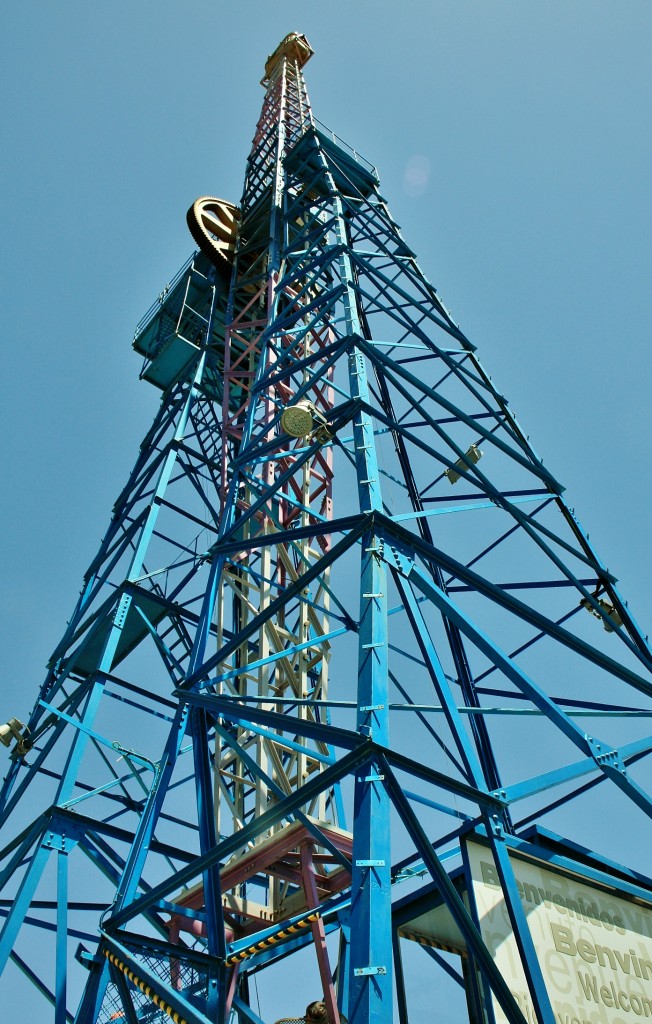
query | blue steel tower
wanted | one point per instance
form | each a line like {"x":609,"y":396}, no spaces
{"x":342,"y":633}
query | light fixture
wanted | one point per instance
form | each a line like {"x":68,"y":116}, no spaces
{"x":473,"y":455}
{"x":14,"y":730}
{"x":299,"y":420}
{"x":11,"y":731}
{"x":610,"y":618}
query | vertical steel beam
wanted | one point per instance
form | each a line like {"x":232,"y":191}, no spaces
{"x":401,"y":993}
{"x":61,"y":962}
{"x":524,"y":942}
{"x":319,"y":933}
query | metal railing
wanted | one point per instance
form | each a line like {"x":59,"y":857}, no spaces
{"x":325,"y":130}
{"x":156,"y":305}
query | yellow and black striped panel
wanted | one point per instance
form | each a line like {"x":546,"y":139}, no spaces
{"x":271,"y":940}
{"x":425,"y":940}
{"x":147,"y":989}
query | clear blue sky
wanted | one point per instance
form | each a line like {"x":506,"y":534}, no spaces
{"x":514,"y":147}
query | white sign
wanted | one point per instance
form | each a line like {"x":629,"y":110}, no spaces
{"x":594,"y":948}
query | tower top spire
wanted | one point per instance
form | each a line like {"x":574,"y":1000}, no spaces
{"x":293,"y":47}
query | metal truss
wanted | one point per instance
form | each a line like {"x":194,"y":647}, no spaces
{"x":342,"y":617}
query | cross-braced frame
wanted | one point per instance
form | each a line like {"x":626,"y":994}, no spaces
{"x":342,"y":620}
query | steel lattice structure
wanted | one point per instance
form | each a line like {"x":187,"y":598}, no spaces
{"x":330,"y":623}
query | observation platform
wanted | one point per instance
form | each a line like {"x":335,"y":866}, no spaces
{"x":352,"y":173}
{"x":170,"y":334}
{"x":145,"y":612}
